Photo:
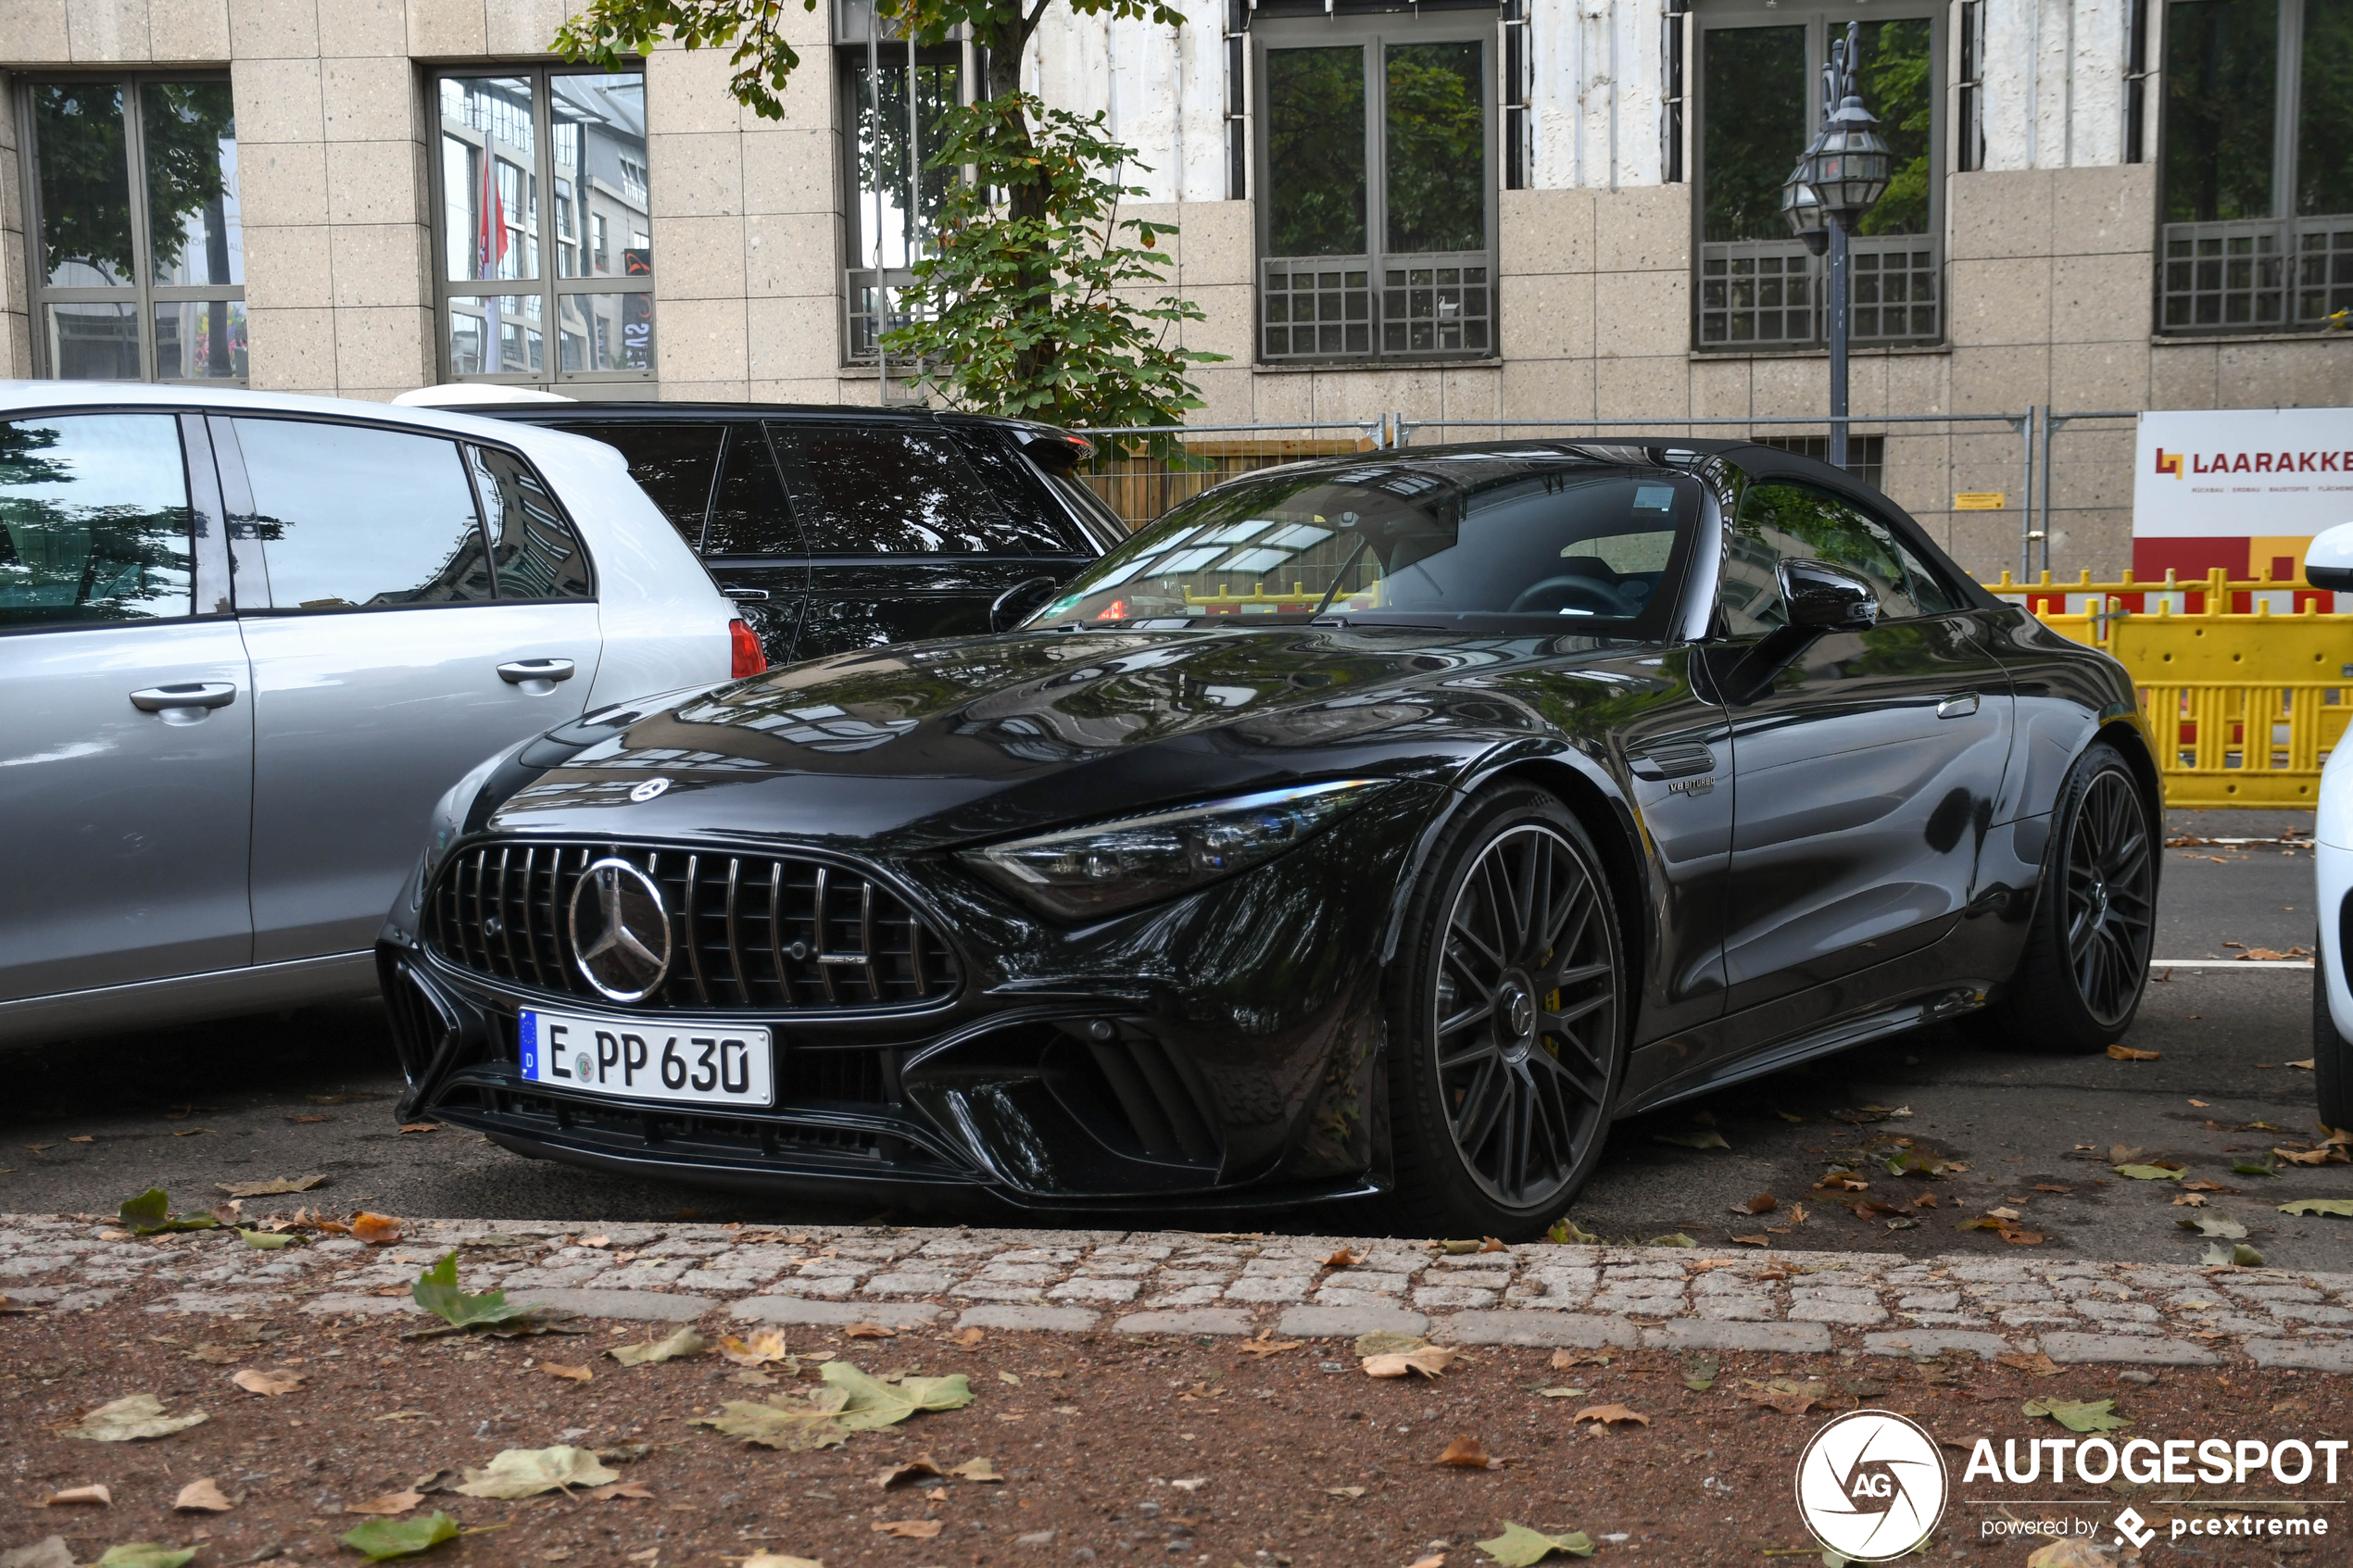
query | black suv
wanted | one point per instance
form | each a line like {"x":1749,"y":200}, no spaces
{"x":840,"y":528}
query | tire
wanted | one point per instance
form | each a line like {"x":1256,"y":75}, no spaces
{"x":2079,"y":982}
{"x":1506,"y":1034}
{"x":2331,"y":1053}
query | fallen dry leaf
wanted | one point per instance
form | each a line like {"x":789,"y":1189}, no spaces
{"x":1489,"y":1244}
{"x":389,"y":1504}
{"x":2039,"y":1364}
{"x":2327,"y":1154}
{"x":1266,"y":1345}
{"x":1343,"y":1259}
{"x":1609,"y":1415}
{"x":270,"y":1188}
{"x":1563,"y":1360}
{"x":2047,"y":1186}
{"x":870,"y":1330}
{"x":2189,"y":1200}
{"x":1430,"y":1360}
{"x":976,"y":1470}
{"x":1763,"y":1203}
{"x":2126,"y":1053}
{"x":201,"y":1497}
{"x":1753,"y":1240}
{"x":1435,"y":1559}
{"x":271,"y":1383}
{"x":1471,"y":1454}
{"x":556,"y":1369}
{"x":131,"y":1418}
{"x":95,"y":1495}
{"x":420,"y":1126}
{"x":968,"y":1340}
{"x":376,"y":1230}
{"x":687,"y":1342}
{"x":2067,"y":1554}
{"x":1788,"y":1395}
{"x":621,"y":1490}
{"x":914,"y":1469}
{"x":907,"y":1529}
{"x":526,"y":1473}
{"x":1351,"y":1493}
{"x":763,"y":1348}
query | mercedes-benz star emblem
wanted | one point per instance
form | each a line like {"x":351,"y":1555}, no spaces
{"x":620,"y":930}
{"x":647,"y":790}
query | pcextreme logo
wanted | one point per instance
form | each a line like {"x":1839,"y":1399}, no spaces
{"x":1871,"y":1485}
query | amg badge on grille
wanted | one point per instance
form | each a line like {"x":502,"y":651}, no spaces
{"x":620,"y":930}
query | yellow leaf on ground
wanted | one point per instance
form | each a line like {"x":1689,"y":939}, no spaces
{"x":1609,"y":1415}
{"x":915,"y":1468}
{"x":870,"y":1330}
{"x":2325,"y":1155}
{"x":389,"y":1504}
{"x":968,"y":1340}
{"x":907,"y":1529}
{"x":1343,"y":1259}
{"x":621,"y":1490}
{"x":1351,"y":1493}
{"x":1266,"y":1345}
{"x":376,"y":1230}
{"x":2067,"y":1554}
{"x":269,"y":1383}
{"x":1435,"y":1559}
{"x":96,"y":1494}
{"x":687,"y":1341}
{"x":757,"y":1560}
{"x":2039,"y":1364}
{"x":526,"y":1473}
{"x":2126,"y":1053}
{"x":976,"y":1470}
{"x":1471,"y":1454}
{"x":761,"y":1349}
{"x":131,"y":1418}
{"x":556,"y":1369}
{"x":202,"y":1496}
{"x":1430,"y":1360}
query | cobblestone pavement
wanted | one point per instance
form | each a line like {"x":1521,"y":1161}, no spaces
{"x":1163,"y":1282}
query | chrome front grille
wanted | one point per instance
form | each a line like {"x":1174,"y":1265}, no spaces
{"x":768,"y":932}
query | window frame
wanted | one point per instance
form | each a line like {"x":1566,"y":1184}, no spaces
{"x":550,"y":288}
{"x":2286,"y":266}
{"x":859,"y":281}
{"x":1823,"y":23}
{"x":143,"y":291}
{"x":1373,"y":30}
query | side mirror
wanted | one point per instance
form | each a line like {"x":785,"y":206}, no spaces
{"x":1019,"y":602}
{"x":1822,"y":597}
{"x":2329,"y":561}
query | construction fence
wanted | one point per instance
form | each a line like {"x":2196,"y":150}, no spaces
{"x":2248,"y":683}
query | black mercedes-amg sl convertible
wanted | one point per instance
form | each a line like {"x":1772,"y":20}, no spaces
{"x":1380,"y":824}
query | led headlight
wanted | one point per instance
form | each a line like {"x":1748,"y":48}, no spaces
{"x":1105,"y":867}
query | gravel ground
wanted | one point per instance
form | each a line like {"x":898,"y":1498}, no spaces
{"x":1204,"y":1450}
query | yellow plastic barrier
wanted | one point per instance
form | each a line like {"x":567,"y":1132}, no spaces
{"x":2255,"y":676}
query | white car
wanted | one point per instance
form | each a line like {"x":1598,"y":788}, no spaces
{"x":247,"y":639}
{"x":2328,"y":563}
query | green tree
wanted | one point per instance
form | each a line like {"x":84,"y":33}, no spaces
{"x":1031,"y":293}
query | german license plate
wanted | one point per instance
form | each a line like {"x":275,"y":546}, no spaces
{"x":639,"y":1059}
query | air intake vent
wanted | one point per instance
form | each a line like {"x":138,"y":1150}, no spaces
{"x":754,"y":931}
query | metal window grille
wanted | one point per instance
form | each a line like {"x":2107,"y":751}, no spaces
{"x":1674,"y":45}
{"x":2264,"y":274}
{"x":1317,"y":307}
{"x":1432,"y":305}
{"x":2137,"y":79}
{"x":1768,"y":293}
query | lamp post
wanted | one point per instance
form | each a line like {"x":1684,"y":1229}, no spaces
{"x":1841,"y":173}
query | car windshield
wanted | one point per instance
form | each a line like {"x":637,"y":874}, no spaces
{"x":1428,"y":541}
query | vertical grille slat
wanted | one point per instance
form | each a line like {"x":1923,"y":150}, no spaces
{"x":816,"y":953}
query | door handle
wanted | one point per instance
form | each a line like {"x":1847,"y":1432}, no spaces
{"x":1959,"y":707}
{"x":517,"y":672}
{"x":750,"y":596}
{"x":187,"y":693}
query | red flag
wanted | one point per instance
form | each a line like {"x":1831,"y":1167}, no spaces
{"x":490,"y":242}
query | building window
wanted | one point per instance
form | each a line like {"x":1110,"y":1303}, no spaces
{"x":1759,"y":101}
{"x":522,"y":299}
{"x":139,"y":266}
{"x":1376,"y":161}
{"x":2259,"y":165}
{"x":892,"y":96}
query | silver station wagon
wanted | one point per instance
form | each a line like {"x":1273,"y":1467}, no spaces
{"x":248,"y":640}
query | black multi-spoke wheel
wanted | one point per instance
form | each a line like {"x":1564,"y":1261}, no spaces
{"x":2111,"y":899}
{"x":1507,"y":1019}
{"x":2085,"y":963}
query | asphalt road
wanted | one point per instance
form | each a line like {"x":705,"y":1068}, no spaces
{"x":312,"y":1094}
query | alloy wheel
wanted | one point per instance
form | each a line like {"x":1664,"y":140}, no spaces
{"x":1524,"y":1014}
{"x":2109,"y":912}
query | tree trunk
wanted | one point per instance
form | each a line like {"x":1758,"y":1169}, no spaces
{"x":1025,"y":199}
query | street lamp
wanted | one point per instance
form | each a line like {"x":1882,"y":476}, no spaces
{"x":1841,"y":173}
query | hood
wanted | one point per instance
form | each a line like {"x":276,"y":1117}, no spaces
{"x":981,"y":737}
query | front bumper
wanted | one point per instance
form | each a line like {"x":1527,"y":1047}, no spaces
{"x":1221,"y":1047}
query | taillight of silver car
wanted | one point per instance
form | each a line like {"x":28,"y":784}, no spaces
{"x":749,"y":657}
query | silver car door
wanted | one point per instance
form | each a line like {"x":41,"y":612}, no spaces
{"x":405,"y":642}
{"x":126,"y":749}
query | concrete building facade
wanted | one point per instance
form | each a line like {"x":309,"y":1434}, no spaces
{"x":1540,"y":210}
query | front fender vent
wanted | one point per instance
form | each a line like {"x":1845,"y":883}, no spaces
{"x":763,"y":933}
